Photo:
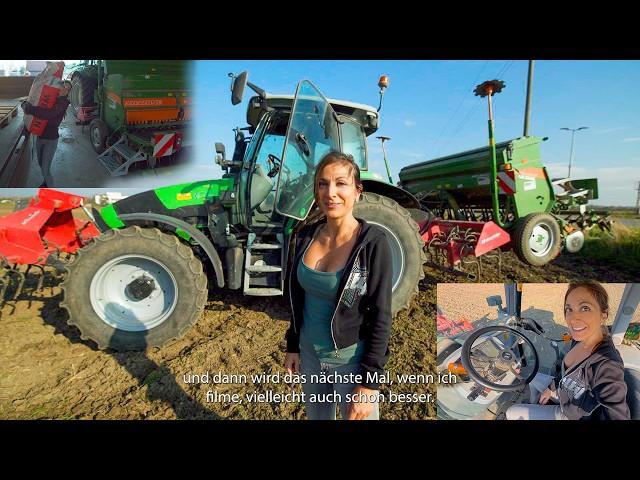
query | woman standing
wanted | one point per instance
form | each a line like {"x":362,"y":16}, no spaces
{"x":340,"y":289}
{"x":47,"y":143}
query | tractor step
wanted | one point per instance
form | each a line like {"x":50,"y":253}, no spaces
{"x":263,"y":275}
{"x":111,"y":158}
{"x":263,"y":292}
{"x":264,"y":269}
{"x":265,"y":246}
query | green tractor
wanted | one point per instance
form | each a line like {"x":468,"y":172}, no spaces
{"x":145,"y":280}
{"x":137,"y":110}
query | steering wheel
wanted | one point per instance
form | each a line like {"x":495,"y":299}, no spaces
{"x":274,"y":165}
{"x":512,"y":356}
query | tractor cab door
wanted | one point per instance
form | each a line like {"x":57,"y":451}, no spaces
{"x":262,"y":167}
{"x":311,"y":133}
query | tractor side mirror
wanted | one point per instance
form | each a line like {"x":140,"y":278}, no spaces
{"x":237,"y":87}
{"x":494,"y":301}
{"x":220,"y":154}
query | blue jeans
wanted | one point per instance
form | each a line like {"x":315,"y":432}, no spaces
{"x":45,"y":151}
{"x":533,"y":410}
{"x":309,"y":365}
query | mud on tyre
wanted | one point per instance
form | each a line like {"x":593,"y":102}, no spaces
{"x":407,"y":247}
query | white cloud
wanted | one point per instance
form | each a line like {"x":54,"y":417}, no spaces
{"x":409,"y":123}
{"x":632,"y":139}
{"x":609,"y":130}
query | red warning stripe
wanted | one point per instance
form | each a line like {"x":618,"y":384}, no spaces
{"x":164,"y":144}
{"x":507,"y":182}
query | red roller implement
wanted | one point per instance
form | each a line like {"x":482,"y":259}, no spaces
{"x":45,"y":227}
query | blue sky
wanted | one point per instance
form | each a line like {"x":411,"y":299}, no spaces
{"x":430,"y":110}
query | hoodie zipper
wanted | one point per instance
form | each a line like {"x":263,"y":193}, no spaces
{"x":357,"y":259}
{"x":566,"y":373}
{"x":293,"y":261}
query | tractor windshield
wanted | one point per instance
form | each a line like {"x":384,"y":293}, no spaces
{"x":312,"y":132}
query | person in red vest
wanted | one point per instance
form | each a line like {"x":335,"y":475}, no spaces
{"x":47,"y":143}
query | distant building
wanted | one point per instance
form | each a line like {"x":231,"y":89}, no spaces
{"x":34,"y":67}
{"x":108,"y":198}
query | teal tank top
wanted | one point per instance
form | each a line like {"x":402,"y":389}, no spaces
{"x":320,"y":299}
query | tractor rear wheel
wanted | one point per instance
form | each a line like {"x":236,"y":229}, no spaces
{"x":82,"y":92}
{"x":407,"y":247}
{"x":134,"y":288}
{"x":537,"y":239}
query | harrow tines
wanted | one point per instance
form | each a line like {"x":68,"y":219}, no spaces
{"x":42,"y":275}
{"x":496,"y":253}
{"x":471,"y":260}
{"x":21,"y":279}
{"x":3,"y":287}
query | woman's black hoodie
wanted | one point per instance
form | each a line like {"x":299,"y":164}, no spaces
{"x":595,"y":388}
{"x":363,"y":309}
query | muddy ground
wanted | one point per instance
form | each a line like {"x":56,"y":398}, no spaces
{"x":47,"y":371}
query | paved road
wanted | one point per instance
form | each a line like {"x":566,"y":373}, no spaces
{"x":628,"y":222}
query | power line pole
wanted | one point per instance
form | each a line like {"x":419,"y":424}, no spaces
{"x":638,"y":199}
{"x":573,"y":133}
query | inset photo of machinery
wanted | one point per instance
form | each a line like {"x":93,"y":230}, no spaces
{"x":94,"y":123}
{"x":539,"y":351}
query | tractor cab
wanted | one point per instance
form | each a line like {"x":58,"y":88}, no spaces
{"x":273,"y":169}
{"x":288,"y":137}
{"x":494,"y":361}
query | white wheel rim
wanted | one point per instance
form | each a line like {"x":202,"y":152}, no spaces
{"x":117,"y":301}
{"x":541,"y":240}
{"x":95,"y":135}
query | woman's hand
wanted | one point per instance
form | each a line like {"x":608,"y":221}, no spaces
{"x":361,"y":408}
{"x":546,"y":396}
{"x":292,"y":362}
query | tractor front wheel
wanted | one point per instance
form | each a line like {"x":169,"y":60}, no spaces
{"x":537,"y":239}
{"x":98,"y":133}
{"x":134,"y":288}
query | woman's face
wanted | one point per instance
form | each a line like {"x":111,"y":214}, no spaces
{"x":337,"y":191}
{"x":583,"y":315}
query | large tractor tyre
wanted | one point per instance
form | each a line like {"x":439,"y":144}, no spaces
{"x":537,"y":239}
{"x":407,"y":247}
{"x":82,"y":92}
{"x":98,"y":133}
{"x":134,"y":288}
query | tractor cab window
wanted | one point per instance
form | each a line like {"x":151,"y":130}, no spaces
{"x":354,"y":142}
{"x":312,"y":133}
{"x":267,"y":164}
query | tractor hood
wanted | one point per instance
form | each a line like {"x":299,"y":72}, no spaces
{"x":178,"y":201}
